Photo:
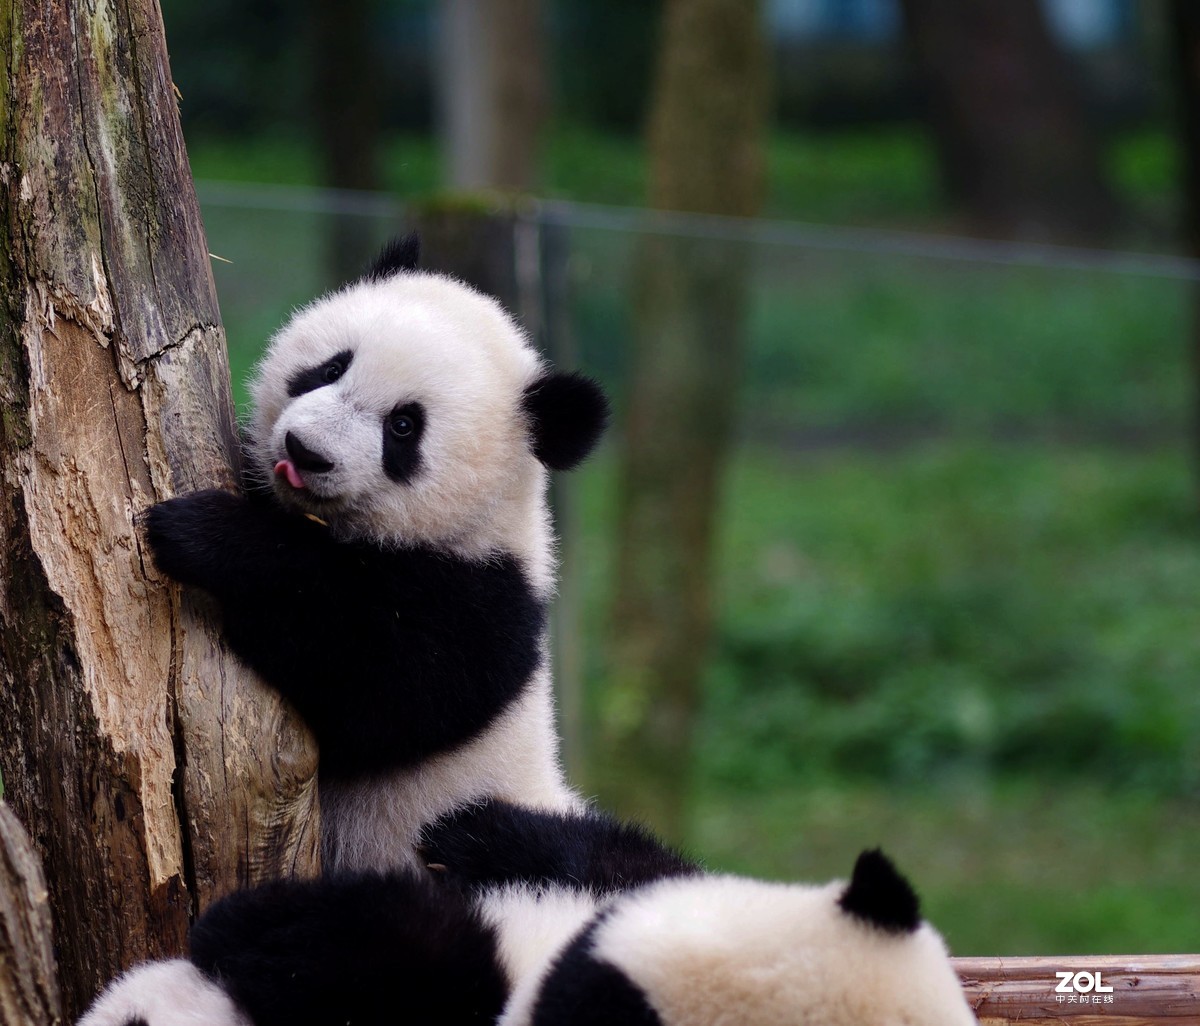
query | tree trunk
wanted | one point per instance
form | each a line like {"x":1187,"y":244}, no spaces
{"x":28,"y":980}
{"x":152,"y":771}
{"x":1185,"y":38}
{"x":347,"y":113}
{"x":1018,"y":152}
{"x":493,"y":92}
{"x":707,"y":121}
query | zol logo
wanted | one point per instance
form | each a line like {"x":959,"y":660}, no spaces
{"x":1080,"y":983}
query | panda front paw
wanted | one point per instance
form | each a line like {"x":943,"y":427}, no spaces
{"x":190,"y":535}
{"x":470,"y":845}
{"x":172,"y":993}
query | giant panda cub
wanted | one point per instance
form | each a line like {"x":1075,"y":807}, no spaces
{"x":389,"y":568}
{"x":537,"y":918}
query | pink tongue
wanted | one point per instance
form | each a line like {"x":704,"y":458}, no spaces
{"x":288,"y":469}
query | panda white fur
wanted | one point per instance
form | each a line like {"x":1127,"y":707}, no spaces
{"x":404,"y":617}
{"x":545,"y":919}
{"x":731,"y":951}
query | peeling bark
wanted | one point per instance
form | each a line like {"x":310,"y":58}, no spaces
{"x":152,"y":770}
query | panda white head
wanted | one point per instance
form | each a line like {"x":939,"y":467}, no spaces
{"x":408,"y":408}
{"x":720,"y":951}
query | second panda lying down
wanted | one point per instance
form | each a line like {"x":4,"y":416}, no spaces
{"x":530,"y":918}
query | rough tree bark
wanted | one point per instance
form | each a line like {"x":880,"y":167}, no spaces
{"x":152,"y":771}
{"x":1017,"y":149}
{"x":28,"y":982}
{"x":708,"y":115}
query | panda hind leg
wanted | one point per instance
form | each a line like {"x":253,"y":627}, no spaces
{"x":354,"y":948}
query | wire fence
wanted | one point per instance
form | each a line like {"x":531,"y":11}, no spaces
{"x":854,"y":336}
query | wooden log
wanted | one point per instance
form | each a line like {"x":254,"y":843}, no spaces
{"x":1146,"y":990}
{"x":153,"y":772}
{"x":28,"y":980}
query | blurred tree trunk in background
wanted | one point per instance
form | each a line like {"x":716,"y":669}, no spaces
{"x":492,"y":92}
{"x":153,"y":773}
{"x":1185,"y":39}
{"x":1018,"y":152}
{"x":346,"y":91}
{"x":707,"y":122}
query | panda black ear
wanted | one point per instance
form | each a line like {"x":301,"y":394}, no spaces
{"x":568,"y":413}
{"x":401,"y":254}
{"x":878,"y":895}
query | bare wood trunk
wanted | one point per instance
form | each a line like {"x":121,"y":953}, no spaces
{"x":1146,"y":989}
{"x":28,"y":980}
{"x":707,"y":122}
{"x":152,"y":771}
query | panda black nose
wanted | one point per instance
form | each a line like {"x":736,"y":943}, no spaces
{"x":304,"y":457}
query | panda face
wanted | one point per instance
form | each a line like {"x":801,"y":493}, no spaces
{"x":396,"y":410}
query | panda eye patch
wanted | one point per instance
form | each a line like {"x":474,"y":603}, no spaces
{"x":402,"y":429}
{"x":323,"y":374}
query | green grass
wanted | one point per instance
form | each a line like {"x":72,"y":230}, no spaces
{"x":956,"y":609}
{"x":961,"y":607}
{"x":1016,"y":869}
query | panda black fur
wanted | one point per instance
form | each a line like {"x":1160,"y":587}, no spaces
{"x":405,"y":616}
{"x":544,"y":919}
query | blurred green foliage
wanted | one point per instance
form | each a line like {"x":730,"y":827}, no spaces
{"x":961,"y":608}
{"x":880,"y":177}
{"x":951,"y":609}
{"x":881,"y":348}
{"x":1010,"y":868}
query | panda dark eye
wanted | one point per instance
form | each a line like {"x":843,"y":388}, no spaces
{"x":401,"y":425}
{"x":333,"y":370}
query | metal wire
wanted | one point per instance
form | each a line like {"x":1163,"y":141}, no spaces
{"x":792,"y":234}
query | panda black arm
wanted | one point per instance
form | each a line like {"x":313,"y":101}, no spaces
{"x":357,"y":949}
{"x":389,"y":655}
{"x":495,"y":843}
{"x":394,"y":656}
{"x":224,"y":543}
